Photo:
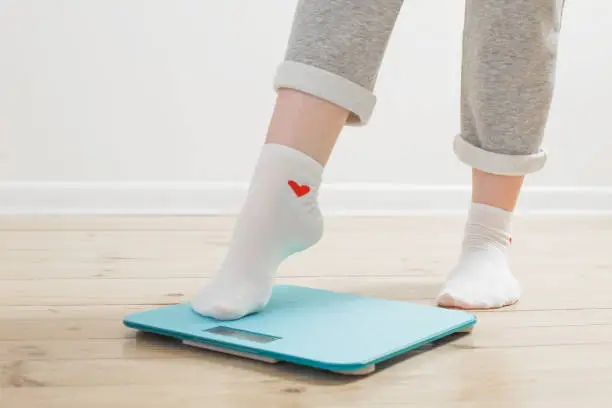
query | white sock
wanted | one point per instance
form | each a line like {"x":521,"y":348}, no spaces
{"x":280,"y":217}
{"x":482,"y":277}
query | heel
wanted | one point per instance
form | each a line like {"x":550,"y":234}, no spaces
{"x":307,"y":234}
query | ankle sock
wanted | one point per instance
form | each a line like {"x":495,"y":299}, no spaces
{"x":280,"y":217}
{"x":482,"y":278}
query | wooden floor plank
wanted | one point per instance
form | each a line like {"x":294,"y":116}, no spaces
{"x":390,"y":250}
{"x":108,"y":341}
{"x":79,"y":335}
{"x":507,"y":316}
{"x":445,"y":377}
{"x":541,"y":292}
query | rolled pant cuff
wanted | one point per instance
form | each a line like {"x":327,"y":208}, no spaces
{"x":497,"y":163}
{"x":333,"y":88}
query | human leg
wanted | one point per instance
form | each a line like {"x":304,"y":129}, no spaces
{"x":508,"y":70}
{"x":326,"y":81}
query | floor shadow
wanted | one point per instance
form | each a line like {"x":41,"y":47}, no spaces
{"x":430,"y":347}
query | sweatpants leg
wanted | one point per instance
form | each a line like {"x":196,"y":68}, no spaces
{"x":335,"y":51}
{"x":508,"y":75}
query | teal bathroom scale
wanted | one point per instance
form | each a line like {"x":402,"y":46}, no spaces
{"x":340,"y":332}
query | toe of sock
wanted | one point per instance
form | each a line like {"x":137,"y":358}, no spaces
{"x":479,"y":295}
{"x":219,"y":311}
{"x":455,"y":300}
{"x":447,"y":300}
{"x":225,"y":309}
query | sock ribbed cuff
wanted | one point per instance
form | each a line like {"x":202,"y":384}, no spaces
{"x":491,"y":217}
{"x":289,"y":153}
{"x":293,"y":160}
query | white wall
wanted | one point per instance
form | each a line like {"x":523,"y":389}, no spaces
{"x":151,"y":105}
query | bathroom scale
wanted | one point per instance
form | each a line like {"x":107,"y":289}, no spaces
{"x":340,"y":332}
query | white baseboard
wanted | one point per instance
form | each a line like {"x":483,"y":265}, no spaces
{"x":362,"y":199}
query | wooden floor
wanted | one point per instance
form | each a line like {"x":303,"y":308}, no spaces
{"x":66,"y":283}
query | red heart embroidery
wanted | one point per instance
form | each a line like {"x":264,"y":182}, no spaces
{"x":298,"y":189}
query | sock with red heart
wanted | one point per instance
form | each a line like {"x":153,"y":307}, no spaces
{"x":280,"y":217}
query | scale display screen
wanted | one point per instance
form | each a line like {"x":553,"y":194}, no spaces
{"x":242,"y":334}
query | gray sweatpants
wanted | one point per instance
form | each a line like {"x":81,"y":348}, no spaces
{"x":509,"y":54}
